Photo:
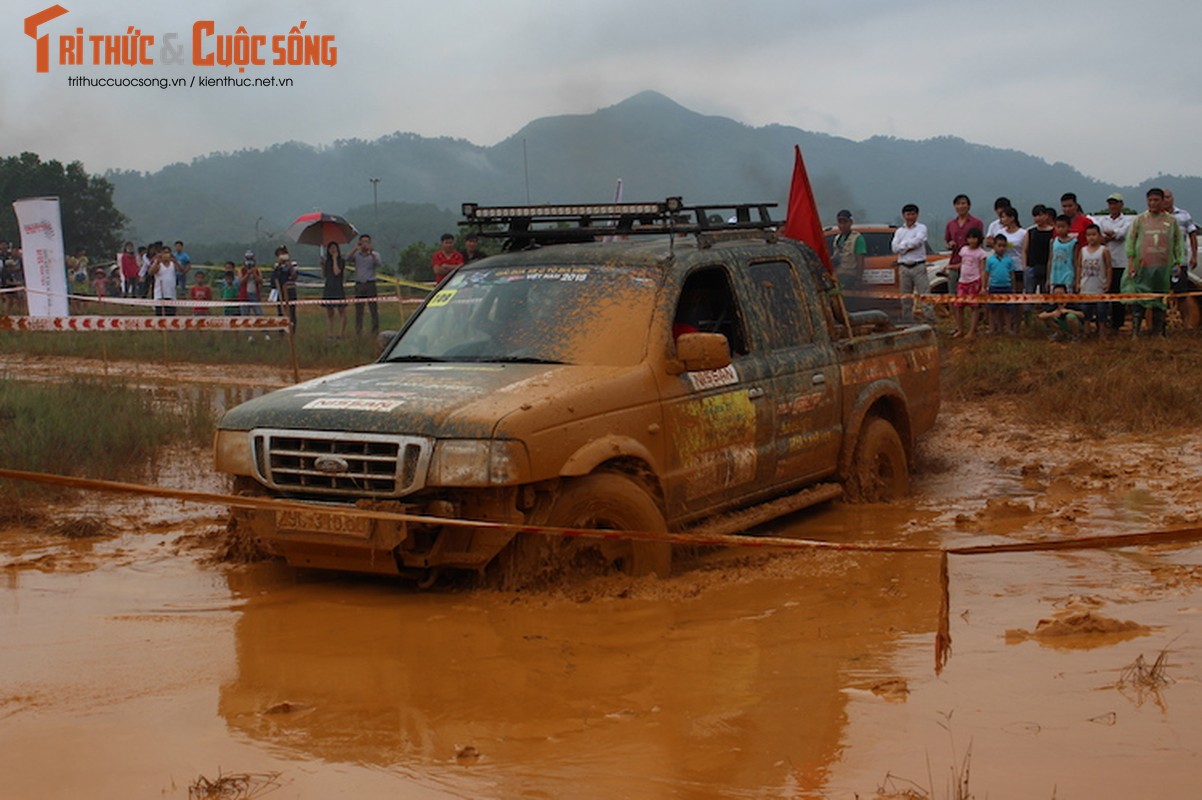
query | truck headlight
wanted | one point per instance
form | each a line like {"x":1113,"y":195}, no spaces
{"x":232,"y":453}
{"x":477,"y":462}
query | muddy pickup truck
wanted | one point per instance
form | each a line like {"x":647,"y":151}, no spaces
{"x":622,"y":367}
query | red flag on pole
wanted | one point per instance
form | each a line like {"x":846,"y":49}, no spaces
{"x":803,"y":222}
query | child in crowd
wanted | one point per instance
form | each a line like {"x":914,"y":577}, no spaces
{"x":229,"y":290}
{"x":100,"y":280}
{"x":1062,"y":269}
{"x":999,"y":267}
{"x":1093,"y":270}
{"x":1039,"y":249}
{"x":972,"y":269}
{"x":1064,"y":321}
{"x":201,"y":292}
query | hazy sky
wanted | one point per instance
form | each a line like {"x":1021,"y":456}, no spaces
{"x":1108,"y":87}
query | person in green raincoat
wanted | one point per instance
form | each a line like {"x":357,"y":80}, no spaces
{"x":1154,"y":245}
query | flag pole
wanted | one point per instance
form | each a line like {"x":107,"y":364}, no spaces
{"x":851,"y":334}
{"x":803,"y":223}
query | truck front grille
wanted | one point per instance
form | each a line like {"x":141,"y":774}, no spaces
{"x":337,"y":463}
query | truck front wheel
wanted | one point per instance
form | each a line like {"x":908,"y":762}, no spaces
{"x":879,"y":472}
{"x":613,"y":502}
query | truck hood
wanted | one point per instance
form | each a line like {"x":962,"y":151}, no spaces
{"x":463,"y":400}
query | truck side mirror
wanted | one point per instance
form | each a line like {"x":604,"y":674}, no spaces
{"x":700,"y":352}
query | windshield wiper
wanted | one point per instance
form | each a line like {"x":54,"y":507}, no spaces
{"x":519,"y":360}
{"x":416,"y":358}
{"x":473,"y":360}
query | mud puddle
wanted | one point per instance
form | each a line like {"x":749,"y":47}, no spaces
{"x":217,"y":387}
{"x":131,"y":664}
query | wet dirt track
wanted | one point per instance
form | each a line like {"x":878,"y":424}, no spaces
{"x":130,"y":663}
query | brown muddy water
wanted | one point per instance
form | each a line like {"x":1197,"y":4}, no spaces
{"x":131,"y":664}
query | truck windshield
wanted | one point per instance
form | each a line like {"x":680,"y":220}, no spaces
{"x":593,"y":315}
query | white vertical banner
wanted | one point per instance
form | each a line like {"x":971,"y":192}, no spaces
{"x":42,"y":257}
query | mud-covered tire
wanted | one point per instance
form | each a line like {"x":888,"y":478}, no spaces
{"x":610,"y":501}
{"x":879,"y":471}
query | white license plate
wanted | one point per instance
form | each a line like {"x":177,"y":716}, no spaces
{"x":332,"y":522}
{"x":878,"y":277}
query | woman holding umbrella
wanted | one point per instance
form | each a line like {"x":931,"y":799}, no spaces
{"x":326,"y":231}
{"x":333,"y":295}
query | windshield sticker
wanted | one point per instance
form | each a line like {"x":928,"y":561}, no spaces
{"x":442,"y":298}
{"x":352,"y":404}
{"x":567,"y":274}
{"x":713,"y":378}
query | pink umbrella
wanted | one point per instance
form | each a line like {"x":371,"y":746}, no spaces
{"x":320,"y":229}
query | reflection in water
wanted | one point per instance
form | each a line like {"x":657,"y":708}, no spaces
{"x":699,"y":686}
{"x":216,"y":398}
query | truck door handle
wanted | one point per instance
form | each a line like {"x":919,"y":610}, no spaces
{"x":755,"y":393}
{"x":818,"y":378}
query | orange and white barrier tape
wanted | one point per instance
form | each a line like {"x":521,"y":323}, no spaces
{"x":1017,"y":298}
{"x":1191,"y":534}
{"x":144,"y":323}
{"x":141,"y":302}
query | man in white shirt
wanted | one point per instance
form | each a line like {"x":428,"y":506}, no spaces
{"x":163,"y":271}
{"x":910,"y":246}
{"x":1114,"y":227}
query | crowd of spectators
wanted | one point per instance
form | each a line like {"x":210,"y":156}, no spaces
{"x":164,"y":276}
{"x":1071,"y":252}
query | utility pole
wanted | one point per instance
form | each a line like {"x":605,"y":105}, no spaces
{"x":375,"y":202}
{"x":526,"y":170}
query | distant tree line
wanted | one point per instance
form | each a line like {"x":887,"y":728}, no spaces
{"x":90,"y":219}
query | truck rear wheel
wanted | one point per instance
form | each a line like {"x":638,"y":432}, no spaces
{"x":879,"y":471}
{"x":609,"y":501}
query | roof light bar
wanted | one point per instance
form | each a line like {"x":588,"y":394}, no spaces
{"x":534,"y":226}
{"x":473,"y":211}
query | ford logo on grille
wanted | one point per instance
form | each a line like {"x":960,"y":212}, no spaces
{"x":331,"y":465}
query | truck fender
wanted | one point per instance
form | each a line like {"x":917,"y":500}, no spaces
{"x":883,"y":398}
{"x":606,"y":448}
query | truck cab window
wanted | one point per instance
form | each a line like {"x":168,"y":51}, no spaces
{"x":787,"y":323}
{"x":707,"y":305}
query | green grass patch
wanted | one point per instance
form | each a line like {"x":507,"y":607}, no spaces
{"x":93,"y":429}
{"x":1108,"y":386}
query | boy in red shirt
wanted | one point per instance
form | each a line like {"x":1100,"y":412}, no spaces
{"x":201,"y":292}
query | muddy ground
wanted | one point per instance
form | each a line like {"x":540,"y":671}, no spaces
{"x":134,"y":665}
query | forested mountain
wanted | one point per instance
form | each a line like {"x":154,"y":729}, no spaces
{"x":656,"y":146}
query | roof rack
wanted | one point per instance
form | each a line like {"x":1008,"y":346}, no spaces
{"x":533,"y":226}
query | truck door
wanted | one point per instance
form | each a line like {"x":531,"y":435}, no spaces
{"x":797,"y":352}
{"x":719,"y":423}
